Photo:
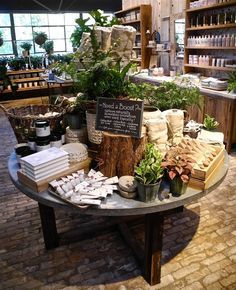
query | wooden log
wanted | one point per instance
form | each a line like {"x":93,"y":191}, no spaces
{"x":119,"y":154}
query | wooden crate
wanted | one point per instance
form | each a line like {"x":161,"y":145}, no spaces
{"x":203,"y":174}
{"x":204,"y":184}
{"x":42,"y":185}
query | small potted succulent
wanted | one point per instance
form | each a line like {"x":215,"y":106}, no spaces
{"x":1,"y":38}
{"x":26,"y":48}
{"x":40,"y":37}
{"x":179,"y":167}
{"x":209,"y":123}
{"x":149,"y":173}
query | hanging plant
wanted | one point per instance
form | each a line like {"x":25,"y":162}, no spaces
{"x":40,"y":37}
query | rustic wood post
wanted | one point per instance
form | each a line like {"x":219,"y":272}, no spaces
{"x":120,"y":154}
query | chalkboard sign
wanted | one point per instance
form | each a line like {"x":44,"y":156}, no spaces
{"x":119,"y":116}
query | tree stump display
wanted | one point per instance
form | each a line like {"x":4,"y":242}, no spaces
{"x":119,"y":154}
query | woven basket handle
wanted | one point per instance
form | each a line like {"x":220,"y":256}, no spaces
{"x":4,"y":109}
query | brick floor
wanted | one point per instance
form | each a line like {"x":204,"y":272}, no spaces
{"x":199,"y":244}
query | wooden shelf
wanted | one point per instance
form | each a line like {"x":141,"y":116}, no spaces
{"x":136,"y":59}
{"x":141,"y":16}
{"x":230,"y":25}
{"x":130,"y":22}
{"x":209,"y":7}
{"x":29,"y":71}
{"x":37,"y":88}
{"x":127,"y":10}
{"x":210,"y":67}
{"x":211,"y":47}
{"x":25,"y":80}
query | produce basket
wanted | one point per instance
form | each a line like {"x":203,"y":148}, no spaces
{"x":22,"y":119}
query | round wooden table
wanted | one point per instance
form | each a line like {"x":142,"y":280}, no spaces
{"x":116,"y":206}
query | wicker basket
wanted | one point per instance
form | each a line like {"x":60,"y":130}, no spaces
{"x":22,"y":119}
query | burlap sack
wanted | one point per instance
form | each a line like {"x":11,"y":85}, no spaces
{"x":175,"y":119}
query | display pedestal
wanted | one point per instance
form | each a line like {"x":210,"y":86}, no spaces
{"x":119,"y":154}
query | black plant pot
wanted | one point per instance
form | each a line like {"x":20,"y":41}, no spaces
{"x":74,"y":121}
{"x":177,"y":186}
{"x":148,"y":192}
{"x":1,"y":41}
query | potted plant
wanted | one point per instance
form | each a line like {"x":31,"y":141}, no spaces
{"x":36,"y":61}
{"x":232,"y":82}
{"x":27,"y":47}
{"x":1,"y":38}
{"x":40,"y":38}
{"x":17,"y":63}
{"x":149,"y":173}
{"x":48,"y":46}
{"x":209,"y":123}
{"x":75,"y":113}
{"x":4,"y":78}
{"x":179,"y":167}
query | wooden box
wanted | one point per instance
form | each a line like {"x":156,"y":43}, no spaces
{"x":203,"y":174}
{"x":204,"y":184}
{"x":42,"y":185}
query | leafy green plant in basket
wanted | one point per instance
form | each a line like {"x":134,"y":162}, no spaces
{"x":210,"y":123}
{"x":231,"y":82}
{"x":149,"y":173}
{"x":179,"y":167}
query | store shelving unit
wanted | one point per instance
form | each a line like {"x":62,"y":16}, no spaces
{"x":205,"y":30}
{"x":140,"y":17}
{"x":30,"y":83}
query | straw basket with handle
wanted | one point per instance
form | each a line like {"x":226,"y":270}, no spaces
{"x":22,"y":119}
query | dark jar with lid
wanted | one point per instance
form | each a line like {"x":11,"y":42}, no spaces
{"x":42,"y":144}
{"x":56,"y":140}
{"x":42,"y":128}
{"x":31,"y":142}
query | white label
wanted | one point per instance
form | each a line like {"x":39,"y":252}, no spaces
{"x":43,"y":132}
{"x":57,"y":144}
{"x":31,"y":145}
{"x":41,"y":148}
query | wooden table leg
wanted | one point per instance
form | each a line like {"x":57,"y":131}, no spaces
{"x":153,"y":247}
{"x":49,"y":227}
